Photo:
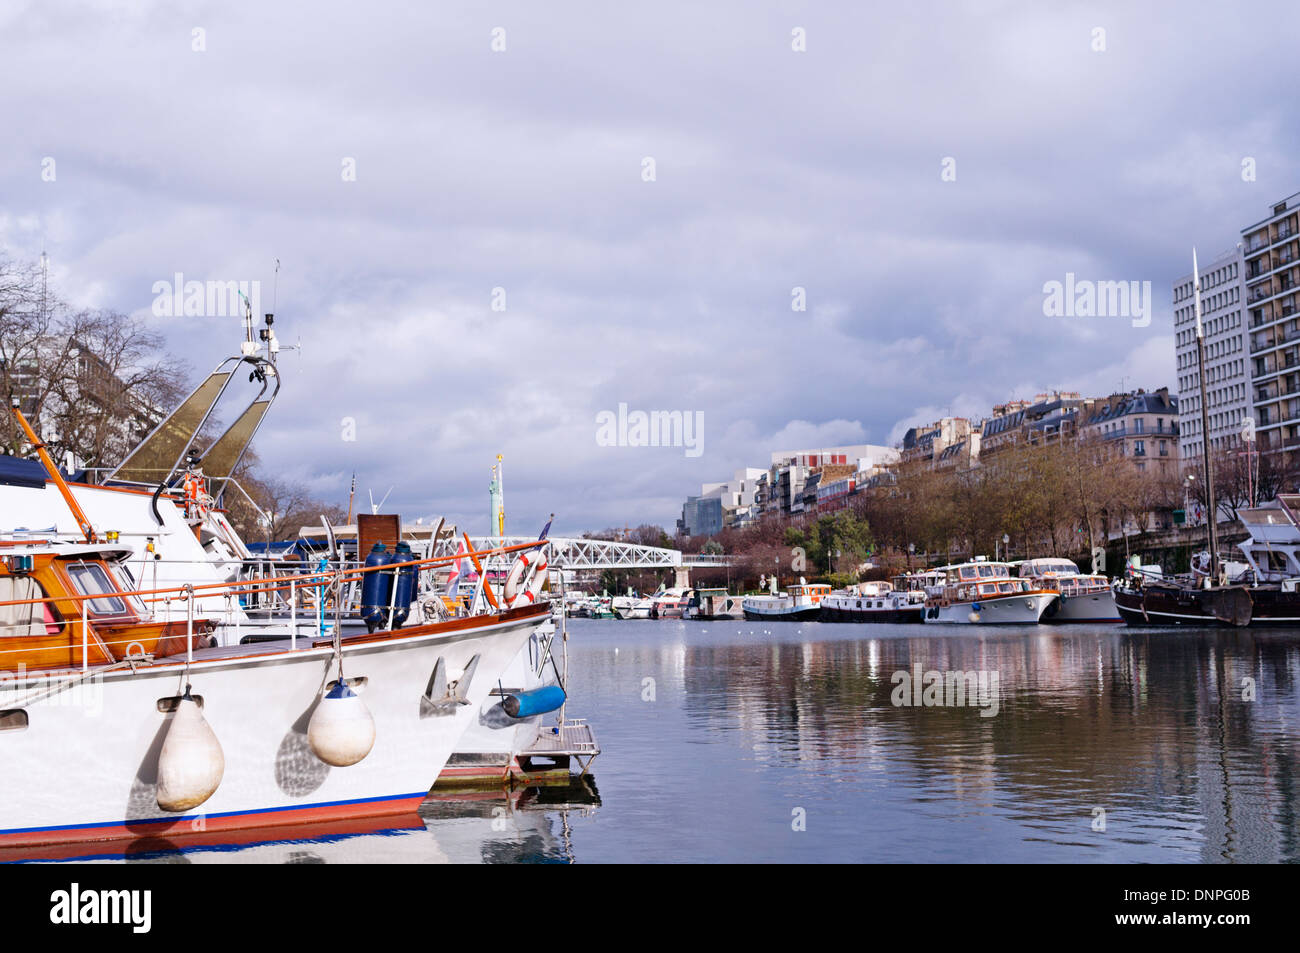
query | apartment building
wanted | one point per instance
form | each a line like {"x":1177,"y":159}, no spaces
{"x":1227,"y":353}
{"x":1142,"y":425}
{"x":927,"y":444}
{"x":1271,"y":274}
{"x":1035,"y":422}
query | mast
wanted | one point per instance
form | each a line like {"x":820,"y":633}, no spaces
{"x":1211,"y":510}
{"x":38,"y":445}
{"x":501,"y":497}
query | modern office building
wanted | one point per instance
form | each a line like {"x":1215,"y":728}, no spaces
{"x":1227,"y":356}
{"x":723,"y":504}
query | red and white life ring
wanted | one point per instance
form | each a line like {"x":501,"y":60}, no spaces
{"x":524,"y":583}
{"x":197,"y":501}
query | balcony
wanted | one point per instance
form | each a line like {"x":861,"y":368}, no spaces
{"x":1265,"y":341}
{"x":1164,"y":430}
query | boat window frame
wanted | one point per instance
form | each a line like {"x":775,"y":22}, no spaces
{"x":55,"y":620}
{"x":127,"y":610}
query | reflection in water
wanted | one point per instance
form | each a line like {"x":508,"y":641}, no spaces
{"x":1184,"y":740}
{"x":1104,"y":744}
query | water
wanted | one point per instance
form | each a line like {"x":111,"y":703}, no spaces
{"x":720,"y":739}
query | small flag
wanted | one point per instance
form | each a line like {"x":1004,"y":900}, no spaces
{"x":547,"y":528}
{"x":457,"y":572}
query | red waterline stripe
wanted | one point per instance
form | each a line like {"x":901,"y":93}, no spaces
{"x":229,"y":821}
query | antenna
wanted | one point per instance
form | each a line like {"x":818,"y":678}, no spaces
{"x":374,"y":509}
{"x":275,"y":285}
{"x":45,"y":278}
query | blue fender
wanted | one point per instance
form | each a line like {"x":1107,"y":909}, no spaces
{"x":537,"y":702}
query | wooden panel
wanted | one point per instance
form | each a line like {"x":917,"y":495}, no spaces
{"x":383,"y":528}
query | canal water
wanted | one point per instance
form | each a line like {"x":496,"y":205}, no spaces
{"x":756,"y":742}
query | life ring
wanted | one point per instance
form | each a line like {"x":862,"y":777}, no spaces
{"x":197,"y":501}
{"x":525,"y":580}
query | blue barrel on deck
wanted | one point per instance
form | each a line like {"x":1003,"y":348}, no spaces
{"x":407,"y":577}
{"x":537,"y":702}
{"x":376,"y":588}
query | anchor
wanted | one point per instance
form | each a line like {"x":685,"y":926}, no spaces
{"x":443,"y":698}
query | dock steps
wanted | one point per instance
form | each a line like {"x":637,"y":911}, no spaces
{"x":573,"y":739}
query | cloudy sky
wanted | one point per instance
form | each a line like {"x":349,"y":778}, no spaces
{"x":1099,"y":139}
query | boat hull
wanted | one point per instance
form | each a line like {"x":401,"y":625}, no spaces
{"x":1022,"y":608}
{"x":800,"y":614}
{"x":1091,"y":607}
{"x":1233,"y":607}
{"x":494,"y":738}
{"x":85,"y":765}
{"x":907,"y":614}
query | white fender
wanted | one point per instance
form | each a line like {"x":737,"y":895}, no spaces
{"x":341,"y":731}
{"x":191,"y":763}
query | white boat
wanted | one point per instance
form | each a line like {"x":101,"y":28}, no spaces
{"x":638,"y":610}
{"x":801,"y":603}
{"x":669,"y":603}
{"x":873,"y":602}
{"x":984,"y":593}
{"x":88,"y":719}
{"x":1082,"y":597}
{"x":171,"y":544}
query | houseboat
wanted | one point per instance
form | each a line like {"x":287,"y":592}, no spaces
{"x":985,"y":593}
{"x":1082,"y":597}
{"x":1262,"y":589}
{"x":873,"y":602}
{"x":711,"y":604}
{"x":801,"y":603}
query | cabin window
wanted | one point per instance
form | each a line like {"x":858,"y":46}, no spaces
{"x":989,"y":589}
{"x":35,"y":618}
{"x":1276,"y":561}
{"x":90,"y":579}
{"x":1006,"y":587}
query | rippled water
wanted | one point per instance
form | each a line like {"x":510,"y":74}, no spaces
{"x":720,"y":739}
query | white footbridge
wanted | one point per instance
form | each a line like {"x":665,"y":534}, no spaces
{"x":579,"y":555}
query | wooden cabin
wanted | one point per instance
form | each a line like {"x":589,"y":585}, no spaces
{"x":43,"y":585}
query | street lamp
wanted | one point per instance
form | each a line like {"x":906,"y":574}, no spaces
{"x":1006,"y":545}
